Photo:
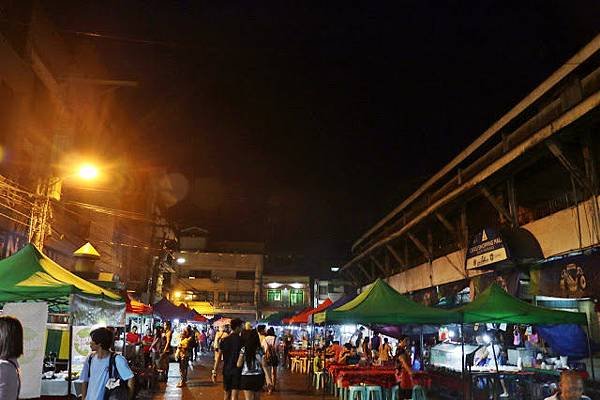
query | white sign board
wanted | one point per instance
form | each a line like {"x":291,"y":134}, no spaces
{"x":33,"y":317}
{"x":81,"y":346}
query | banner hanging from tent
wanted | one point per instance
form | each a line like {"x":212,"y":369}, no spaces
{"x":80,"y":349}
{"x":93,"y":310}
{"x":33,"y":317}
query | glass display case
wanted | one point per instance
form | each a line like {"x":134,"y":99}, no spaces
{"x":448,"y":355}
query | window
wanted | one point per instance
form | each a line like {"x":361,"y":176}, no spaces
{"x":322,"y":290}
{"x":241,"y":297}
{"x":296,"y":297}
{"x":245,"y":275}
{"x":273,"y":295}
{"x":199,"y":274}
{"x":203,"y":296}
{"x":222,"y":297}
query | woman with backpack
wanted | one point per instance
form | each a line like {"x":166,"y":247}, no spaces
{"x":250,"y":361}
{"x":271,"y":358}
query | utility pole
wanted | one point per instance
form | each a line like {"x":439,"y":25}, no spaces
{"x":41,"y":212}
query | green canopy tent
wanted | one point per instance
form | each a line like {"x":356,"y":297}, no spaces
{"x":31,"y":275}
{"x":276,"y":318}
{"x":495,"y":305}
{"x":381,"y":304}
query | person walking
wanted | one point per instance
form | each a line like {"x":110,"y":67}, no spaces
{"x":251,"y":362}
{"x":11,"y":348}
{"x":155,"y":347}
{"x":228,"y":351}
{"x":103,"y":365}
{"x":165,"y":352}
{"x":182,"y":356}
{"x":271,"y":359}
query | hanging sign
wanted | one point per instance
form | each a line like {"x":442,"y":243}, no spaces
{"x":33,"y":317}
{"x":486,"y":248}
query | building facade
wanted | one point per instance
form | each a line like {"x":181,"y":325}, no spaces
{"x":519,"y":206}
{"x":285,"y":293}
{"x":223,"y":279}
{"x":57,"y":108}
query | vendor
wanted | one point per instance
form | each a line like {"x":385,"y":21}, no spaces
{"x":570,"y":387}
{"x":484,"y":356}
{"x":133,"y":338}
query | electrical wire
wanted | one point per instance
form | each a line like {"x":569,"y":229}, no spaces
{"x":13,"y":219}
{"x":98,"y":224}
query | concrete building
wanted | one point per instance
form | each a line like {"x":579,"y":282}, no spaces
{"x":518,"y":206}
{"x":285,"y":293}
{"x":223,"y":278}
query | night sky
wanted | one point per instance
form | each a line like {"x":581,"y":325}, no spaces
{"x":303,"y":123}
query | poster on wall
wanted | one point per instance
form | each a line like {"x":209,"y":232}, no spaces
{"x":570,"y":277}
{"x":487,"y":247}
{"x":508,"y":281}
{"x":80,"y":347}
{"x":33,"y":317}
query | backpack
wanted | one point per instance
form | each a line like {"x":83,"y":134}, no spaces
{"x":271,"y":357}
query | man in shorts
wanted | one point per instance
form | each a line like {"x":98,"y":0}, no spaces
{"x":229,"y":351}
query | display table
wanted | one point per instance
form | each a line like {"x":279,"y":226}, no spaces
{"x":385,"y":378}
{"x":59,"y":388}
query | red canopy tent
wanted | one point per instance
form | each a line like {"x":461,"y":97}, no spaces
{"x":199,"y":317}
{"x":193,"y":314}
{"x":288,"y":319}
{"x":302,"y":317}
{"x":134,"y":306}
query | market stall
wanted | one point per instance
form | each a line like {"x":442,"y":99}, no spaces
{"x":31,"y":286}
{"x":527,"y":369}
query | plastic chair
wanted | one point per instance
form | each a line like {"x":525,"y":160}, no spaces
{"x":296,"y":365}
{"x":375,"y":391}
{"x":394,"y":392}
{"x":343,"y":393}
{"x":319,"y":380}
{"x":354,"y":390}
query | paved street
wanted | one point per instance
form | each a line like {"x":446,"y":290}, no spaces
{"x":290,"y":387}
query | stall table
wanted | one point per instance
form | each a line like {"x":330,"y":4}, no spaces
{"x":57,"y":388}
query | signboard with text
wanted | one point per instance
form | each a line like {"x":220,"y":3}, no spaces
{"x":487,"y":247}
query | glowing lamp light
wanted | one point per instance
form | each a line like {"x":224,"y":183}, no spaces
{"x":175,"y":322}
{"x":177,"y":294}
{"x":181,"y":260}
{"x":88,"y":172}
{"x":335,"y":269}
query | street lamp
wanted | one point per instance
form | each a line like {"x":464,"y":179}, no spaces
{"x":88,"y":172}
